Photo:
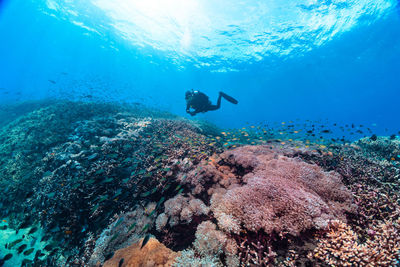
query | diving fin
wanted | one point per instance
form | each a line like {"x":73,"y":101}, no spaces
{"x":229,"y":98}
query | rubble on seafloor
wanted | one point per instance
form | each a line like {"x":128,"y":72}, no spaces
{"x":131,"y":186}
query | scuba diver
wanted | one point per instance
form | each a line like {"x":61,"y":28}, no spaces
{"x":199,"y":102}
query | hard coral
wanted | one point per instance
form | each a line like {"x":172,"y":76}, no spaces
{"x":341,"y":246}
{"x":181,"y":209}
{"x":279,"y":194}
{"x":152,"y":254}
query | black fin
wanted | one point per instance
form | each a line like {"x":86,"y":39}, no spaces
{"x":229,"y":98}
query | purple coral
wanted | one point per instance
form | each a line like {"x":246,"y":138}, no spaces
{"x":279,"y":194}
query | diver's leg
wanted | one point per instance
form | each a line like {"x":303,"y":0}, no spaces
{"x":218,"y":105}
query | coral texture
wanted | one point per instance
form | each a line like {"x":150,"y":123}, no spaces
{"x":210,"y":243}
{"x":181,"y":209}
{"x":152,"y":254}
{"x":277,"y":193}
{"x":341,"y":246}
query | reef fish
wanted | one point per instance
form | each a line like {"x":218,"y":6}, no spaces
{"x":145,"y":240}
{"x":21,"y":248}
{"x":28,"y":251}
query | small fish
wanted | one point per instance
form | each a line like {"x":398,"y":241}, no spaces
{"x":33,"y":230}
{"x":7,"y":257}
{"x":21,"y":248}
{"x":26,"y":262}
{"x":146,"y":227}
{"x":121,"y":261}
{"x":53,"y":82}
{"x":38,"y":254}
{"x":29,"y":251}
{"x":145,"y":194}
{"x":108,"y":180}
{"x":48,"y":247}
{"x":119,"y":222}
{"x":3,"y":227}
{"x":14,"y":243}
{"x":145,"y":240}
{"x":114,"y":237}
{"x":24,"y":225}
{"x":132,"y":226}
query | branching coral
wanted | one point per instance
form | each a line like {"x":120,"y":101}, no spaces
{"x":341,"y":246}
{"x":279,"y":194}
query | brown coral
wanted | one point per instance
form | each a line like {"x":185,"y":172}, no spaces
{"x":152,"y":254}
{"x":341,"y":246}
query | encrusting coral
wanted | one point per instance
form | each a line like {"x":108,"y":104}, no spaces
{"x":153,"y":254}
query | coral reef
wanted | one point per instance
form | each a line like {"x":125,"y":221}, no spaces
{"x":98,"y":178}
{"x":180,"y":210}
{"x":276,"y":193}
{"x":341,"y":246}
{"x":152,"y":254}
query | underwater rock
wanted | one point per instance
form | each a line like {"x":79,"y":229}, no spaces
{"x":152,"y":254}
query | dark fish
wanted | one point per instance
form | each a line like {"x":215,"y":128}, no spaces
{"x":145,"y":240}
{"x":21,"y":248}
{"x":24,"y":225}
{"x":121,"y":261}
{"x":38,"y":254}
{"x":7,"y":257}
{"x":109,"y":256}
{"x":29,"y":194}
{"x":53,"y":82}
{"x":326,"y":131}
{"x":114,"y":237}
{"x":146,"y":227}
{"x":26,"y":262}
{"x":44,"y":238}
{"x":373,"y":137}
{"x":392,"y":137}
{"x":33,"y":230}
{"x":132,"y":226}
{"x":4,"y":227}
{"x":28,"y":252}
{"x":48,"y":247}
{"x":119,"y":222}
{"x":14,"y":243}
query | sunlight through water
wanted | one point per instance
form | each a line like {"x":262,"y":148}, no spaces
{"x":216,"y":33}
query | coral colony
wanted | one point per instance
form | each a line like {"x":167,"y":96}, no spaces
{"x":91,"y":184}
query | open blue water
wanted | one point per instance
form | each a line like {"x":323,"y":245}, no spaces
{"x":313,"y":60}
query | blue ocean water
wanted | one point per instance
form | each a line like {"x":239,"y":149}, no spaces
{"x":329,"y":60}
{"x":81,"y":179}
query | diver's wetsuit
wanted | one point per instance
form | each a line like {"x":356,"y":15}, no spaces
{"x":199,"y":102}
